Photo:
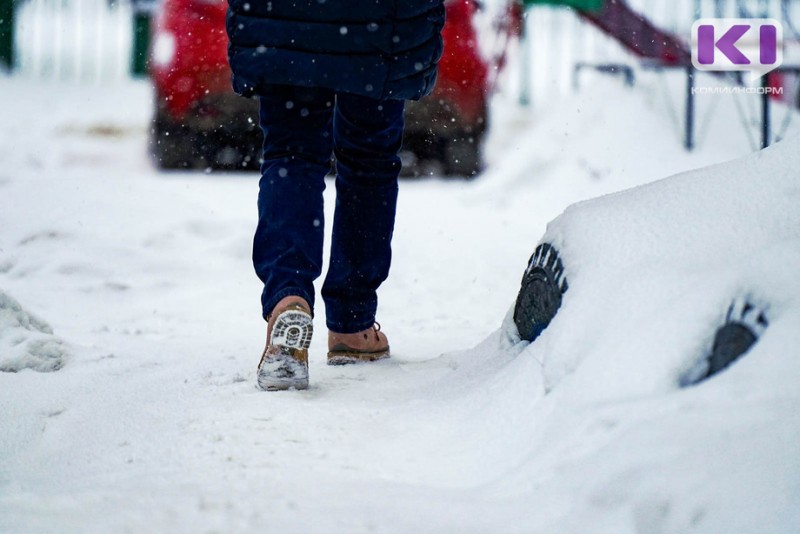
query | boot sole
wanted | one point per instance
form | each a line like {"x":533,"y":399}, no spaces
{"x":284,"y":364}
{"x":347,"y":357}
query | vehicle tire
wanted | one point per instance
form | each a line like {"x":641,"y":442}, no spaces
{"x":420,"y":150}
{"x":462,"y":156}
{"x":172,"y":145}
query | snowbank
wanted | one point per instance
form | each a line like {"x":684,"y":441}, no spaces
{"x":652,"y":272}
{"x":27,"y":342}
{"x":156,"y":424}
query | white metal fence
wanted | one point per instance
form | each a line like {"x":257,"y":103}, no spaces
{"x":558,"y":39}
{"x":73,"y":40}
{"x":91,"y":40}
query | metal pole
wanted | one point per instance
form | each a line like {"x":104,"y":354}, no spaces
{"x":7,"y":33}
{"x":763,"y":7}
{"x":766,"y":125}
{"x":525,"y":71}
{"x":719,"y":8}
{"x":689,"y":134}
{"x":141,"y":42}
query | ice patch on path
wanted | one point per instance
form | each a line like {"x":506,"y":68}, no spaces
{"x":27,"y":342}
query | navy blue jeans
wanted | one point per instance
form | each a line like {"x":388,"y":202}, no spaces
{"x":302,"y":128}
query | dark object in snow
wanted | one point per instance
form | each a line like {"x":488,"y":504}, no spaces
{"x":744,"y":324}
{"x":539,"y":297}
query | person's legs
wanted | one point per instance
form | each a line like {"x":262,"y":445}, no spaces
{"x":367,"y":138}
{"x":287,"y":248}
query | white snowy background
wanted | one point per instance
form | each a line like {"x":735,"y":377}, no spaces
{"x":135,"y":289}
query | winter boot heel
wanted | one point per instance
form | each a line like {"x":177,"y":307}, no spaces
{"x":284,"y":364}
{"x":366,"y":346}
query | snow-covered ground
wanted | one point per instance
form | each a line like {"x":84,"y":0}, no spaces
{"x":152,"y":422}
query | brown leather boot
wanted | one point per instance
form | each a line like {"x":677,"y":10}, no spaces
{"x":365,"y":346}
{"x":284,"y":363}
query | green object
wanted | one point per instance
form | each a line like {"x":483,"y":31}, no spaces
{"x":582,"y":5}
{"x":7,"y":33}
{"x":141,"y":43}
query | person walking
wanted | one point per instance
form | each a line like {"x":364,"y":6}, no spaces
{"x":331,"y":77}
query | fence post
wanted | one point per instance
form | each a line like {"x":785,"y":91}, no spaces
{"x":141,"y":37}
{"x":766,"y":126}
{"x":688,"y":140}
{"x":7,"y":33}
{"x":525,"y":57}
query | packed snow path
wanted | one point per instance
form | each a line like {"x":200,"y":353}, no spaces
{"x":153,"y":424}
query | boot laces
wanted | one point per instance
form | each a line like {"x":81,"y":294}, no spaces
{"x":375,"y":328}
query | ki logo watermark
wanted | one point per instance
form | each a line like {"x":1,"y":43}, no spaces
{"x":754,"y":45}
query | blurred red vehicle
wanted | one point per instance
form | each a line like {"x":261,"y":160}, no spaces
{"x":448,"y":126}
{"x":199,"y":122}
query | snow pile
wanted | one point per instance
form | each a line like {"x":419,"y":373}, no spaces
{"x":27,"y":342}
{"x":652,"y":272}
{"x":157,"y":426}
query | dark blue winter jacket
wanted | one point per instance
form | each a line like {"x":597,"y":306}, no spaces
{"x":385,"y":49}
